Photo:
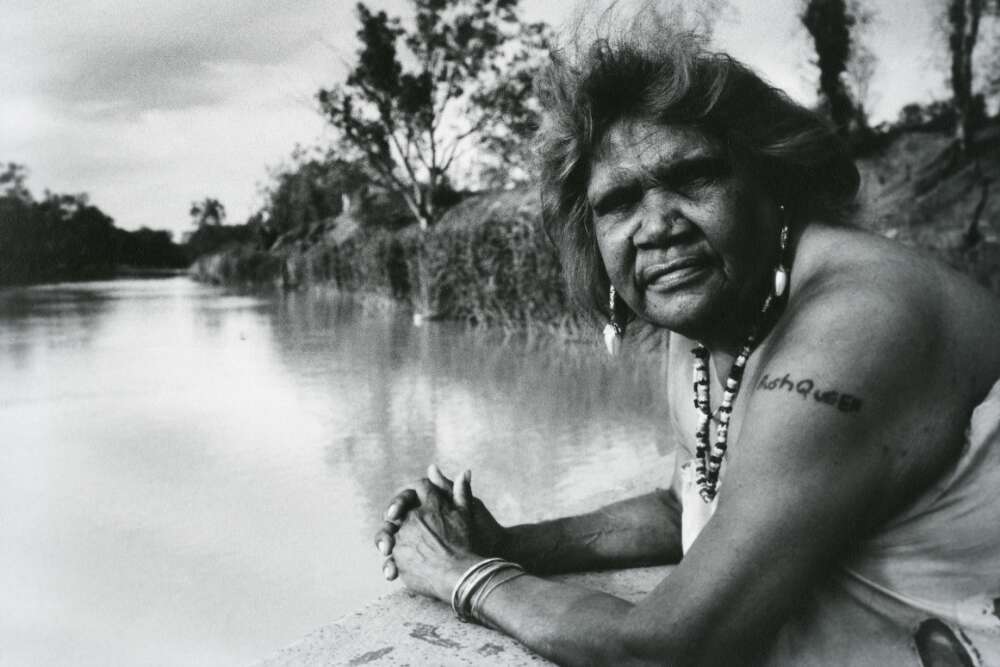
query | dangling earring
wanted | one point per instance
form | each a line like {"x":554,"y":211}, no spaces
{"x":612,"y":330}
{"x":780,"y":272}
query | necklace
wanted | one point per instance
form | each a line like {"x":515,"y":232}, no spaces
{"x":709,"y":455}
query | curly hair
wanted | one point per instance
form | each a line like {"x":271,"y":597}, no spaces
{"x":798,"y":158}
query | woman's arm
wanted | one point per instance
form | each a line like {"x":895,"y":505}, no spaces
{"x":645,"y":530}
{"x":640,"y":531}
{"x":807,"y":480}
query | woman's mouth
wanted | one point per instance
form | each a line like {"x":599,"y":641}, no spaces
{"x":666,"y":276}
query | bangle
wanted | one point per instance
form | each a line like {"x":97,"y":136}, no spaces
{"x":456,"y":592}
{"x":509,"y":573}
{"x":477,"y":582}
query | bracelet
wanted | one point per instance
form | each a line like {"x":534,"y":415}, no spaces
{"x":456,"y":592}
{"x":477,"y":582}
{"x":513,"y":571}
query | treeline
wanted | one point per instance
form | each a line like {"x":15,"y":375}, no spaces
{"x":65,"y":237}
{"x":392,"y":208}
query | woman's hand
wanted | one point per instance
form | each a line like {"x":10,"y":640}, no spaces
{"x":487,"y":536}
{"x":433,"y":545}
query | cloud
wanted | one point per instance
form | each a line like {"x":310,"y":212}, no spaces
{"x":149,"y":105}
{"x":101,"y":58}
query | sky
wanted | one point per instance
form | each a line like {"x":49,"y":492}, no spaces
{"x":148,"y":105}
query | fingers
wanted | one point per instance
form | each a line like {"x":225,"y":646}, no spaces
{"x":427,"y":492}
{"x":414,"y":496}
{"x":438,"y":479}
{"x":405,"y":500}
{"x":389,"y":569}
{"x":385,"y":538}
{"x":463,"y":492}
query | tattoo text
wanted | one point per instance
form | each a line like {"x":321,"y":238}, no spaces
{"x":806,"y":387}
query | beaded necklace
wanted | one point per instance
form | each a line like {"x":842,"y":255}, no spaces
{"x":708,"y":456}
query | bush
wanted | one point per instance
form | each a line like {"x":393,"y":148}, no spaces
{"x":238,"y":265}
{"x":488,"y":262}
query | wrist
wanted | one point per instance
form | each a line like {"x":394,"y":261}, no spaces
{"x":511,"y":544}
{"x":504,"y":544}
{"x":456,"y":568}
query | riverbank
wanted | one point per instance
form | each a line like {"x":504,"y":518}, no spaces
{"x":488,"y":261}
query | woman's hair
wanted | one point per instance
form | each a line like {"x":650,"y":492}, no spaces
{"x":793,"y":152}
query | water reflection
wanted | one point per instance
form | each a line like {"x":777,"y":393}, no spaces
{"x":190,"y":476}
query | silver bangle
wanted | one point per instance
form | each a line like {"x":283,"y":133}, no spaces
{"x":510,"y":572}
{"x":476,"y":583}
{"x":460,"y":584}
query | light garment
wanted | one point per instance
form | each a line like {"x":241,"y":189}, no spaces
{"x":925,"y":590}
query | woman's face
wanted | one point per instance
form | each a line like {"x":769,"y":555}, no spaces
{"x":686,"y":240}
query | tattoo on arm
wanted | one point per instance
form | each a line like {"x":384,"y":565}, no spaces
{"x":806,"y":388}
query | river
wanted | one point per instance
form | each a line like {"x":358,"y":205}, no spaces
{"x":190,"y":475}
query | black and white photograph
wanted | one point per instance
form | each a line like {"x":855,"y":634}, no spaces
{"x":500,"y":333}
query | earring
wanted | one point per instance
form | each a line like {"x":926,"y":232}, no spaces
{"x":780,"y":272}
{"x":612,"y":330}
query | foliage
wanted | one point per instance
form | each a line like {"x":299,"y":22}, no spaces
{"x":830,"y":23}
{"x":862,"y":61}
{"x":312,"y":188}
{"x":148,"y":248}
{"x":237,"y":264}
{"x":64,"y":237}
{"x":14,"y":180}
{"x":963,"y":20}
{"x":487,"y":262}
{"x":468,"y":81}
{"x":208,"y":211}
{"x":936,"y":116}
{"x":208,"y":239}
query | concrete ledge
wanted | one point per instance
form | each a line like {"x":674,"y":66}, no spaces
{"x":406,"y":629}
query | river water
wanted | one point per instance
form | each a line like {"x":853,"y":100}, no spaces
{"x":193,"y":476}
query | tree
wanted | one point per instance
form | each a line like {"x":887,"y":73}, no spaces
{"x":830,"y":22}
{"x":410,"y":124}
{"x":13,"y":180}
{"x":314,"y":187}
{"x":208,"y":211}
{"x":963,"y":23}
{"x":861,"y":62}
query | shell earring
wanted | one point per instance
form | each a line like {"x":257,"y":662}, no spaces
{"x":780,"y":271}
{"x":612,"y":330}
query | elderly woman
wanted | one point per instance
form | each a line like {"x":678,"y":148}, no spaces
{"x":835,"y":495}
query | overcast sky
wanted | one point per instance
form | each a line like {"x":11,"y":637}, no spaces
{"x":149,"y":104}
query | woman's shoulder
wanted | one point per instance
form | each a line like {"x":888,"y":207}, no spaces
{"x":830,"y":260}
{"x":895,"y":302}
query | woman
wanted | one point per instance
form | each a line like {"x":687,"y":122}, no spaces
{"x":833,"y":501}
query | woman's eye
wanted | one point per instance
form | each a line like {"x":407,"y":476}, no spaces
{"x":693,"y":185}
{"x":620,"y":199}
{"x":698,"y":177}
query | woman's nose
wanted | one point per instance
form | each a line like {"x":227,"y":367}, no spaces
{"x":657,"y":217}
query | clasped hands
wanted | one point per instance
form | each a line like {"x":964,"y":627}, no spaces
{"x":433,"y":531}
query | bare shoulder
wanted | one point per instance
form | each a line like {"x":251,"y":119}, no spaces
{"x":892,"y":310}
{"x":881,"y":354}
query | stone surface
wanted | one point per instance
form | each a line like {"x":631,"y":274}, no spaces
{"x":405,"y":629}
